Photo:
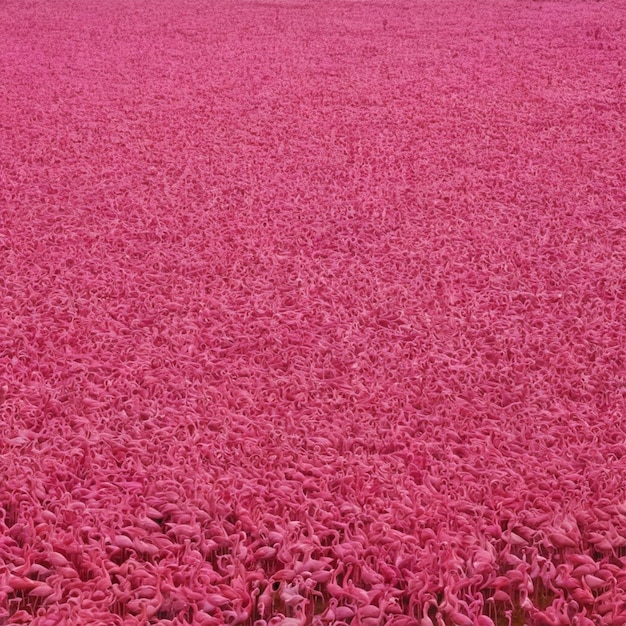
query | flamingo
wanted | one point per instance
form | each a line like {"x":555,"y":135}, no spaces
{"x":291,"y":598}
{"x":265,"y":602}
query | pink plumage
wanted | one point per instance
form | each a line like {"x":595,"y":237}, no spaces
{"x":312,"y":312}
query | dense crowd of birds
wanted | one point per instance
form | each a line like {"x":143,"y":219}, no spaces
{"x":312,"y":313}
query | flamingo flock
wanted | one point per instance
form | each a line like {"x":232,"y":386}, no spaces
{"x":312,"y":313}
